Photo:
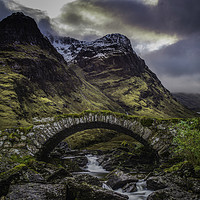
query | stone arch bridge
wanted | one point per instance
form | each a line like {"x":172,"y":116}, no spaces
{"x":43,"y":137}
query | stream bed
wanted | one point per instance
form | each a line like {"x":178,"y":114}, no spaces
{"x":93,"y":168}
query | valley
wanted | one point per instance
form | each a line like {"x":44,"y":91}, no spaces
{"x":67,"y":106}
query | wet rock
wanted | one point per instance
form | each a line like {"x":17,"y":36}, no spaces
{"x":118,"y":179}
{"x":125,"y":159}
{"x":80,"y":178}
{"x":17,"y":175}
{"x":84,"y":191}
{"x":29,"y":176}
{"x":7,"y":177}
{"x":60,"y":149}
{"x":111,"y":160}
{"x":37,"y":191}
{"x":195,"y":186}
{"x":156,"y":183}
{"x":81,"y":161}
{"x":129,"y":187}
{"x":174,"y":179}
{"x":172,"y":194}
{"x":58,"y":175}
{"x":45,"y":169}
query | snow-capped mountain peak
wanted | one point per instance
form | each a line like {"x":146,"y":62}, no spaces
{"x":102,"y":47}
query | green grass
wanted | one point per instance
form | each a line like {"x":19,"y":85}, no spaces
{"x":22,"y":99}
{"x":101,"y":139}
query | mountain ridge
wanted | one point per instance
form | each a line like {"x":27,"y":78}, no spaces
{"x":110,"y":62}
{"x":36,"y":81}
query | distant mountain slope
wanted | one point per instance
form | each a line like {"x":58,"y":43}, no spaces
{"x":192,"y":101}
{"x":110,"y":64}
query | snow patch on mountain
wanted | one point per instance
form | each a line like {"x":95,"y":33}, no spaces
{"x":70,"y":48}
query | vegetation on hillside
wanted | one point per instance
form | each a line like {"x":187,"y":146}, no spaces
{"x":187,"y":141}
{"x":24,"y":94}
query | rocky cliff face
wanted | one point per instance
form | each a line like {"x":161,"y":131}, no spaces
{"x":19,"y":36}
{"x":110,"y":64}
{"x":21,"y":29}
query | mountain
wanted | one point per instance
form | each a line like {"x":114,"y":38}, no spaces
{"x":192,"y":101}
{"x":110,"y":64}
{"x":36,"y":80}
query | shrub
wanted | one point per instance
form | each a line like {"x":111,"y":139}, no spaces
{"x":187,"y":140}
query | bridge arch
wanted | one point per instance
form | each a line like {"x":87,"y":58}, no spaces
{"x":50,"y":144}
{"x":151,"y":133}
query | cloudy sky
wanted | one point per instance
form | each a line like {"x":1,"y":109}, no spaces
{"x":165,"y":33}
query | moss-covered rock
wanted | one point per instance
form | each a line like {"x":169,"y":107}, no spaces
{"x":37,"y":191}
{"x":84,"y":191}
{"x":7,"y":177}
{"x":18,"y":175}
{"x":172,"y":194}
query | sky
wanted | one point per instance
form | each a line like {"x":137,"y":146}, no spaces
{"x":165,"y":33}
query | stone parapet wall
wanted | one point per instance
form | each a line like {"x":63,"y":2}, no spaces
{"x":155,"y":134}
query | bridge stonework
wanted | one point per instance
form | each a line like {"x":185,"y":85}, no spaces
{"x":43,"y":138}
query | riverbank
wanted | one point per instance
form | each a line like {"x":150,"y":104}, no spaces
{"x":67,"y":176}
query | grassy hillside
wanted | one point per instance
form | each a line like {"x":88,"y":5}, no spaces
{"x":36,"y":81}
{"x":132,"y":85}
{"x":24,"y":92}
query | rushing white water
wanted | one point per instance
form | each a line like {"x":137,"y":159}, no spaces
{"x":95,"y":169}
{"x":141,"y":194}
{"x":93,"y":165}
{"x":106,"y":187}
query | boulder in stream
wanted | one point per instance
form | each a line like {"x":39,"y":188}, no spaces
{"x":170,"y":186}
{"x":156,"y":183}
{"x":130,"y":187}
{"x":86,"y":178}
{"x":118,"y":179}
{"x":172,"y":194}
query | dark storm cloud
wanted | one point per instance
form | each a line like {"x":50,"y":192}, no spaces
{"x":181,"y":58}
{"x":168,"y":16}
{"x":72,"y":13}
{"x":4,"y":11}
{"x":46,"y":26}
{"x":179,"y":16}
{"x":178,"y":65}
{"x":43,"y":21}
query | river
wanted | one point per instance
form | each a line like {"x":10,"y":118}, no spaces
{"x":95,"y":169}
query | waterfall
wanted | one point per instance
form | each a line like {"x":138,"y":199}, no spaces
{"x":93,"y":165}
